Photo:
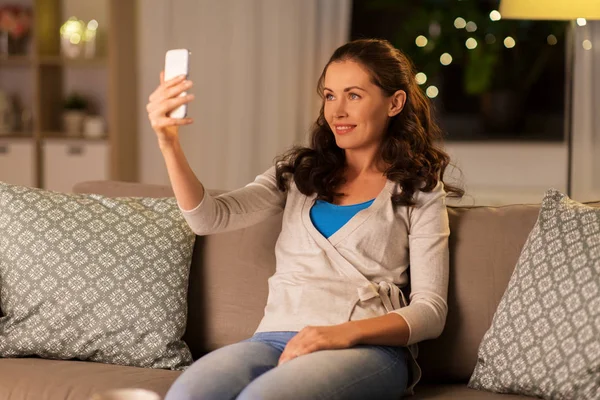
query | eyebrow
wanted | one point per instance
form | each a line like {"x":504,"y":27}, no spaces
{"x":347,"y":89}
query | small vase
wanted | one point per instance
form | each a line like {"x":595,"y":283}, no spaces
{"x":73,"y":122}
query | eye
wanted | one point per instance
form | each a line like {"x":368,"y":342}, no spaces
{"x":328,"y":96}
{"x":354,"y":96}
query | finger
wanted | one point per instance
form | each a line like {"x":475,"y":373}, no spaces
{"x":154,"y":103}
{"x":173,"y":81}
{"x":284,"y":358}
{"x":160,"y":120}
{"x":291,"y":352}
{"x":163,"y":106}
{"x":165,"y":122}
{"x":179,"y":121}
{"x":154,"y":96}
{"x":162,"y":77}
{"x":179,"y":88}
{"x":169,"y":105}
{"x":174,"y":91}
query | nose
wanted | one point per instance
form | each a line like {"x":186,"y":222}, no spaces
{"x":340,"y":109}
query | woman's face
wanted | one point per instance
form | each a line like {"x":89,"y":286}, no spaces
{"x":355,"y":108}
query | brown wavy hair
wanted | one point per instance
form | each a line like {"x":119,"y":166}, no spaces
{"x":408,"y":147}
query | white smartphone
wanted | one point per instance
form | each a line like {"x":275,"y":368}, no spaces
{"x":177,"y":62}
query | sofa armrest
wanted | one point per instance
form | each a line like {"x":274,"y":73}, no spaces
{"x":129,"y":189}
{"x":123,"y":189}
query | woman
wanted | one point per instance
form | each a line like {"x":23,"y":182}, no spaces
{"x":360,"y":205}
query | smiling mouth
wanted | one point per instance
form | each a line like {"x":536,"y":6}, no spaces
{"x":343,"y":129}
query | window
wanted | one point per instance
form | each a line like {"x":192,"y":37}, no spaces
{"x":489,"y":78}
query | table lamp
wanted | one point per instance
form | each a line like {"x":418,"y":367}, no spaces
{"x":557,"y":10}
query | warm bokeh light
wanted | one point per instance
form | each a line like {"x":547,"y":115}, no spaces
{"x":75,"y":38}
{"x":587,"y":44}
{"x":509,"y":42}
{"x":471,"y":26}
{"x":71,"y":26}
{"x":552,"y":40}
{"x":471,"y":43}
{"x":490,"y":39}
{"x":445,"y":59}
{"x":460,"y":23}
{"x":581,"y":21}
{"x":421,"y":78}
{"x":421,"y":41}
{"x":92,"y":25}
{"x":495,"y":15}
{"x":432,"y":92}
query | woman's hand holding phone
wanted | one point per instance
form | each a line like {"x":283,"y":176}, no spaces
{"x":162,"y":101}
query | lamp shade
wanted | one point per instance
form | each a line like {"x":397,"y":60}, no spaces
{"x":550,"y":9}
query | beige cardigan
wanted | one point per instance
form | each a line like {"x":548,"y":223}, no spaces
{"x":354,"y":274}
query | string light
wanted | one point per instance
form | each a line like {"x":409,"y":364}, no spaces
{"x":90,"y":32}
{"x":581,"y":21}
{"x":421,"y":41}
{"x":471,"y":26}
{"x":421,"y":78}
{"x":460,"y":23}
{"x":471,"y":43}
{"x":509,"y":42}
{"x":75,"y":38}
{"x":432,"y":92}
{"x":93,"y":25}
{"x":445,"y":59}
{"x":551,"y":39}
{"x":587,"y":44}
{"x":495,"y":15}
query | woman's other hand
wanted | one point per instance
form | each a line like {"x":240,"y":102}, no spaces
{"x":315,"y":338}
{"x":164,"y":100}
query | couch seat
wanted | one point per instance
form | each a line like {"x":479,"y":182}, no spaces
{"x":39,"y":379}
{"x":458,"y":391}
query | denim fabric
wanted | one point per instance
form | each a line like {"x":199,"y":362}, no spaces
{"x":248,"y":371}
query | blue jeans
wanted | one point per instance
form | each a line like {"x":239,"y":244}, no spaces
{"x":248,"y":371}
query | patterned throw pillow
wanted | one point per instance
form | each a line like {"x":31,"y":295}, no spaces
{"x":545,"y":335}
{"x":93,"y":278}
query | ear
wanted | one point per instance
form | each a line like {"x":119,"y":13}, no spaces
{"x":397,"y":103}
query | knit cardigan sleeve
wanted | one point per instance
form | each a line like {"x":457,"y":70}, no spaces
{"x":429,"y":266}
{"x":239,"y":208}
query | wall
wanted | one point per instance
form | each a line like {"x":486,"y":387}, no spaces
{"x":152,"y":38}
{"x":499,"y":173}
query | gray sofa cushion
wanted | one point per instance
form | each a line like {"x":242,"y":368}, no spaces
{"x":93,"y":278}
{"x":545,"y":336}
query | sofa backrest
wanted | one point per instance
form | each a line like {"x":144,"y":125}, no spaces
{"x":228,"y":279}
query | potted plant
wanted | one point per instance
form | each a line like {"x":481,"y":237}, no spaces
{"x":75,"y":108}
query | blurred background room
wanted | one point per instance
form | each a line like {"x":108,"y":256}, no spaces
{"x":75,"y":77}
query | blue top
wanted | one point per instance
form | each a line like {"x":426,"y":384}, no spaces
{"x":328,"y":217}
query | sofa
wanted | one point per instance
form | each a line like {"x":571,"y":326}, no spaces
{"x":228,"y":291}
